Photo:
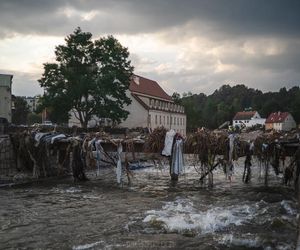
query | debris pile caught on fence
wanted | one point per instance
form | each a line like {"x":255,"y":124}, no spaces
{"x":50,"y":153}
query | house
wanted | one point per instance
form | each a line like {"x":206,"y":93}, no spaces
{"x":150,"y":107}
{"x":5,"y":96}
{"x":280,"y":121}
{"x":247,"y":119}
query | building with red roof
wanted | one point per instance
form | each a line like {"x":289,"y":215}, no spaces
{"x":247,"y":119}
{"x":280,"y":121}
{"x":152,"y":107}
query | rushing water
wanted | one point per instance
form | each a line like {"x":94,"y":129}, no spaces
{"x":150,"y":214}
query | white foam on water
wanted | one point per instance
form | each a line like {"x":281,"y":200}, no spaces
{"x":73,"y":190}
{"x":247,"y":240}
{"x":181,"y":215}
{"x":90,"y":197}
{"x":86,"y":246}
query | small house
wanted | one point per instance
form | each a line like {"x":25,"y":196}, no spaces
{"x":247,"y":119}
{"x":280,"y":121}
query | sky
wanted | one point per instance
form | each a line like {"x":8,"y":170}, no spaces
{"x":187,"y":46}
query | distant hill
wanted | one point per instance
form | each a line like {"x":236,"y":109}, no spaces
{"x":213,"y":110}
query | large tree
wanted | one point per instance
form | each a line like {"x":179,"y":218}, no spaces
{"x":20,"y":112}
{"x":89,"y":78}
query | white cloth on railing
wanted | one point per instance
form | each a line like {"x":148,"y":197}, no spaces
{"x":38,"y":137}
{"x":119,"y":163}
{"x":60,"y":136}
{"x":231,"y":146}
{"x":168,"y":142}
{"x":99,"y":149}
{"x":177,"y":163}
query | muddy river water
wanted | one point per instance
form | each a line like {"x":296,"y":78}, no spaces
{"x":151,"y":213}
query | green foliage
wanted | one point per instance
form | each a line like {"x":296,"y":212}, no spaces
{"x":89,"y":78}
{"x":194,"y":110}
{"x":34,"y":118}
{"x":19,"y":114}
{"x":211,"y":111}
{"x":176,"y":98}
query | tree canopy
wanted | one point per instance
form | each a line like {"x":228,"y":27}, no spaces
{"x":19,"y":114}
{"x":89,"y":78}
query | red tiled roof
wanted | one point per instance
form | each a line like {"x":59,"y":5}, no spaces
{"x":148,"y":87}
{"x":277,"y":117}
{"x":244,"y":115}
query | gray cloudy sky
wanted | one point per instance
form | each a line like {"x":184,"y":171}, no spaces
{"x":192,"y":45}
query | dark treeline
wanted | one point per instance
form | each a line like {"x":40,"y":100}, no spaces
{"x":213,"y":110}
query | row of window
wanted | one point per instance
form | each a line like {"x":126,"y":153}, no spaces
{"x":168,"y":120}
{"x":241,"y":121}
{"x":166,"y":105}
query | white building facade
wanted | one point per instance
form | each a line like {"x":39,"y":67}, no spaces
{"x":152,"y":107}
{"x":32,"y":102}
{"x":248,"y":119}
{"x":5,"y":96}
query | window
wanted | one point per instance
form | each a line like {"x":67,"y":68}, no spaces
{"x":177,"y":120}
{"x":160,"y":119}
{"x":171,"y":120}
{"x":156,"y":119}
{"x":164,"y":120}
{"x":167,"y":120}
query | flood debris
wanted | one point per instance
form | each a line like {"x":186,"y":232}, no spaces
{"x":51,"y":153}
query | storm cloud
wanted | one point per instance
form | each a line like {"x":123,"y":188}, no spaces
{"x":196,"y":44}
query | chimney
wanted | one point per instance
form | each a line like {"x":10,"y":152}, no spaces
{"x":136,"y":79}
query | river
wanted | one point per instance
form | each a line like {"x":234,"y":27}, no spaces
{"x":151,"y":213}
